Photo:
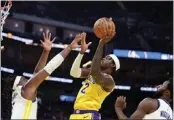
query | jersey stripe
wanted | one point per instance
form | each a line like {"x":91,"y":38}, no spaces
{"x":27,"y":109}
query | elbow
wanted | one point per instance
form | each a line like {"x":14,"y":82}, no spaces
{"x":75,"y":73}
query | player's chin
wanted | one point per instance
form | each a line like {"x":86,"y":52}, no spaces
{"x":103,"y":65}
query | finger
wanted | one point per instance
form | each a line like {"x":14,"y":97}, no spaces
{"x":47,"y":34}
{"x":53,"y":39}
{"x":44,"y":36}
{"x":49,"y":38}
{"x":83,"y":38}
{"x":119,"y":97}
{"x":41,"y":41}
{"x":110,"y":27}
{"x":79,"y":38}
{"x":113,"y":26}
{"x":89,"y":44}
{"x":113,"y":34}
{"x":78,"y":35}
{"x":101,"y":27}
{"x":105,"y":27}
{"x":124,"y":98}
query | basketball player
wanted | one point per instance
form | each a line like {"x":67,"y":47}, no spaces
{"x":150,"y":108}
{"x":24,"y":97}
{"x":99,"y":82}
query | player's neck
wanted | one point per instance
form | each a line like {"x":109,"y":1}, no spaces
{"x":104,"y":70}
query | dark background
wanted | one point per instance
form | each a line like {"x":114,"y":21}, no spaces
{"x":146,"y":26}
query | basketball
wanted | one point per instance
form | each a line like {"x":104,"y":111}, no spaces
{"x":104,"y":27}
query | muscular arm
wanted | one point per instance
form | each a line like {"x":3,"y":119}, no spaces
{"x":105,"y":81}
{"x":146,"y":106}
{"x":42,"y":62}
{"x":29,"y":90}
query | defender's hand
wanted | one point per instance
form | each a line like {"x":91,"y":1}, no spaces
{"x":74,"y":43}
{"x":84,"y":46}
{"x":120,"y":102}
{"x":47,"y":43}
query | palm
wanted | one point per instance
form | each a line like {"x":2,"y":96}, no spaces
{"x":47,"y":43}
{"x":121,"y":102}
{"x":74,"y":43}
{"x":84,"y":46}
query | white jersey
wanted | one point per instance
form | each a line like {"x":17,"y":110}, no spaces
{"x":163,"y":112}
{"x":21,"y":107}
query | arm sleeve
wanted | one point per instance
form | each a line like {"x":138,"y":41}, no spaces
{"x":75,"y":69}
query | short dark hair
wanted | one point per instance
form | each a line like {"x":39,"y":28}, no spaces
{"x":170,"y":86}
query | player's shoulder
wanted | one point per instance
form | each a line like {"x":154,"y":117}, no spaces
{"x":148,"y":99}
{"x":109,"y":78}
{"x":148,"y":104}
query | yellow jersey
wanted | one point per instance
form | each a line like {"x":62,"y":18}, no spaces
{"x":90,"y":96}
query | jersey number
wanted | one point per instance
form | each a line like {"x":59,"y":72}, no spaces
{"x":86,"y":86}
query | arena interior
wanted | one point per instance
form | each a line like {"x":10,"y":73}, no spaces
{"x":143,"y":43}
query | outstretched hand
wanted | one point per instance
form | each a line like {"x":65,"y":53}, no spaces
{"x":74,"y":44}
{"x":84,"y":46}
{"x":47,"y":43}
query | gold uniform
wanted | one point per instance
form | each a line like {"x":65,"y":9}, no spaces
{"x":89,"y":100}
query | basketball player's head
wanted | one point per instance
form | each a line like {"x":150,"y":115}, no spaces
{"x":110,"y":63}
{"x":165,"y":91}
{"x":19,"y":81}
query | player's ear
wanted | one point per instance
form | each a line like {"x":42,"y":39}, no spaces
{"x":167,"y":92}
{"x":113,"y":65}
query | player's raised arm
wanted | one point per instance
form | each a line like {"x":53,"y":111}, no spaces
{"x":47,"y":45}
{"x":76,"y":71}
{"x":106,"y":81}
{"x":29,"y":90}
{"x":145,"y":106}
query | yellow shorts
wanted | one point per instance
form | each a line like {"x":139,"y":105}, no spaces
{"x":81,"y":116}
